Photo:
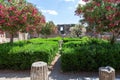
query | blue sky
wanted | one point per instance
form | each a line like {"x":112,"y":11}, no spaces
{"x":58,"y":11}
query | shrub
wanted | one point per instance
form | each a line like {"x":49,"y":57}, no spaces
{"x":84,"y":41}
{"x":54,"y":39}
{"x":21,"y":55}
{"x":89,"y":55}
{"x":67,"y":39}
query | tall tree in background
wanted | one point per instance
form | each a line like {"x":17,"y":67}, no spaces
{"x":76,"y":31}
{"x":53,"y":27}
{"x":102,"y":15}
{"x":48,"y":29}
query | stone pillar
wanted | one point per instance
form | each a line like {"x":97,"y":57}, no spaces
{"x":26,"y":36}
{"x":106,"y":73}
{"x":60,"y":45}
{"x":20,"y":36}
{"x":39,"y":71}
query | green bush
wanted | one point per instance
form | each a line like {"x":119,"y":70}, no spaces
{"x":54,"y":39}
{"x":67,"y":39}
{"x":89,"y":55}
{"x":84,"y":41}
{"x":20,"y":55}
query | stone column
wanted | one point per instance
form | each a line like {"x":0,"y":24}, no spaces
{"x":39,"y":71}
{"x":60,"y":45}
{"x":106,"y":73}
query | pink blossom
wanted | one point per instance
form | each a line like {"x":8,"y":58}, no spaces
{"x":111,"y":25}
{"x":9,"y":0}
{"x":1,"y":6}
{"x":98,"y":4}
{"x":11,"y":8}
{"x":34,"y":11}
{"x":2,"y":21}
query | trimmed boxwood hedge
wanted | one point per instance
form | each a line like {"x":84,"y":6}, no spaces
{"x":20,"y":55}
{"x":67,"y":39}
{"x":56,"y":39}
{"x":89,"y":55}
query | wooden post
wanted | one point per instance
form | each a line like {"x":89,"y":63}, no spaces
{"x":39,"y":71}
{"x":106,"y":73}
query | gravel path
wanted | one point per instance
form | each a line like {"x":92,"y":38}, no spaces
{"x":54,"y":74}
{"x":14,"y":75}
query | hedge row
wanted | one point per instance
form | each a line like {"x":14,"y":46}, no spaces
{"x":84,"y":41}
{"x":44,"y":39}
{"x":67,"y":39}
{"x":21,"y":55}
{"x":89,"y":55}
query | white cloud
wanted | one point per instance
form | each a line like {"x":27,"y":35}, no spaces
{"x":80,"y":2}
{"x":69,"y":0}
{"x":52,"y":12}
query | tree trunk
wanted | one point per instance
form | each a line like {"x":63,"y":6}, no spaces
{"x":113,"y":39}
{"x":115,"y":35}
{"x":11,"y":38}
{"x":38,"y":35}
{"x":46,"y":36}
{"x":24,"y":35}
{"x":77,"y":34}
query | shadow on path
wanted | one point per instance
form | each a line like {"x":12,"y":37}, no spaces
{"x":57,"y":74}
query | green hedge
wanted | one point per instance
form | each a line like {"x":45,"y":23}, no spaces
{"x":20,"y":55}
{"x":67,"y":39}
{"x":89,"y":55}
{"x":54,"y":39}
{"x":84,"y":41}
{"x":45,"y":39}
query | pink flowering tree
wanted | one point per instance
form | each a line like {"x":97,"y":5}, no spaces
{"x":41,"y":23}
{"x":15,"y":18}
{"x":35,"y":19}
{"x":48,"y":29}
{"x":102,"y":15}
{"x":11,"y":20}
